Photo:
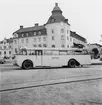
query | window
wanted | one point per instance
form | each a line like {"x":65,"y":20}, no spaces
{"x":44,"y":38}
{"x":62,"y":45}
{"x":62,"y":30}
{"x":39,"y":39}
{"x":34,"y":45}
{"x":67,"y":46}
{"x":4,"y":47}
{"x":34,"y":33}
{"x":67,"y":31}
{"x":52,"y":30}
{"x":26,"y":34}
{"x":22,"y":40}
{"x":0,"y":53}
{"x":67,"y":37}
{"x":34,"y":39}
{"x":63,"y":52}
{"x":70,"y":39}
{"x":22,"y":35}
{"x":9,"y":46}
{"x":52,"y":37}
{"x":53,"y":46}
{"x":39,"y":32}
{"x":15,"y":50}
{"x":15,"y":41}
{"x":44,"y":45}
{"x":4,"y":52}
{"x":9,"y":52}
{"x":39,"y":45}
{"x":62,"y":37}
{"x":26,"y":40}
{"x":52,"y":20}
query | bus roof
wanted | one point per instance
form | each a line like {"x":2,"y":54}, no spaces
{"x":52,"y":48}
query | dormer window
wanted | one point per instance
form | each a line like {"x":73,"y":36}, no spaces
{"x":26,"y":34}
{"x":22,"y":35}
{"x":39,"y":32}
{"x":34,"y":33}
{"x":15,"y":35}
{"x":52,"y":20}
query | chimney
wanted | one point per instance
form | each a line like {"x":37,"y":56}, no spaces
{"x":36,"y":24}
{"x":21,"y":27}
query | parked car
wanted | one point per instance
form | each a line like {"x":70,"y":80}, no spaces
{"x":2,"y":60}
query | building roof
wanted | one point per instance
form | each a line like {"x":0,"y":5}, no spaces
{"x":10,"y":40}
{"x":29,"y":29}
{"x":75,"y":35}
{"x":96,"y":44}
{"x":57,"y":15}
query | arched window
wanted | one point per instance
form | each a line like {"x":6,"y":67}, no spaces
{"x":53,"y":46}
{"x":62,"y":30}
{"x":62,"y":45}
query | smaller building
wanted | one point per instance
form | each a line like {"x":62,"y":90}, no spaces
{"x":96,"y":49}
{"x":6,"y":48}
{"x":77,"y":40}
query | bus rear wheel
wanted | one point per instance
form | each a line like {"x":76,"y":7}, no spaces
{"x":27,"y":64}
{"x":72,"y":63}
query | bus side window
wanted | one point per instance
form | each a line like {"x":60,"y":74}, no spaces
{"x":36,"y":52}
{"x":40,"y":52}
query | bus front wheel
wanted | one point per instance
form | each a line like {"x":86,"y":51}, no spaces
{"x":27,"y":64}
{"x":72,"y":63}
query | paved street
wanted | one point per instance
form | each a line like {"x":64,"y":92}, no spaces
{"x":68,"y":90}
{"x":11,"y":74}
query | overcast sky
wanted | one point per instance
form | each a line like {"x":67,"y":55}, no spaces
{"x":85,"y":16}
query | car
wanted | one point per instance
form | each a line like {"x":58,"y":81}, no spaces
{"x":2,"y":60}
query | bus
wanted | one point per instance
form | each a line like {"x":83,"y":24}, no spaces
{"x":29,"y":58}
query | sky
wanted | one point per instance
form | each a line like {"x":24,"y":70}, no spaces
{"x":85,"y":16}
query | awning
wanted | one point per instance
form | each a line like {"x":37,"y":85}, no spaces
{"x":78,"y":45}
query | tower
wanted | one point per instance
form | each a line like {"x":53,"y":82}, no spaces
{"x":58,"y":29}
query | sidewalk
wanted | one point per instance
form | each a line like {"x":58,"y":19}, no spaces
{"x":96,"y":62}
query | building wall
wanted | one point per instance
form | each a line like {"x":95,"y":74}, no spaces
{"x":6,"y":49}
{"x":29,"y":42}
{"x":57,"y":35}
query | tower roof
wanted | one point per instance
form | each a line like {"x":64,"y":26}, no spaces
{"x":57,"y":15}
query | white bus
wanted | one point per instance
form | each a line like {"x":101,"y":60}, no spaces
{"x":47,"y":57}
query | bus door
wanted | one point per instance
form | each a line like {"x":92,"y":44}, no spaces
{"x":38,"y":57}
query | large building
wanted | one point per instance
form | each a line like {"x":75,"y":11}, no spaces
{"x":54,"y":33}
{"x":6,"y":48}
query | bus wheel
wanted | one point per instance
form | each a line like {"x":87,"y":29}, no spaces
{"x":27,"y":64}
{"x":72,"y":63}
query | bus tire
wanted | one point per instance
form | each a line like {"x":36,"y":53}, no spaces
{"x":27,"y":64}
{"x":72,"y":63}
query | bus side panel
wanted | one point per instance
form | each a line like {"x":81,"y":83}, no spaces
{"x":82,"y":59}
{"x":21,"y":58}
{"x":54,"y":60}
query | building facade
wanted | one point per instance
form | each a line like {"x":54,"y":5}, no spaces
{"x":54,"y":34}
{"x":77,"y":40}
{"x":6,"y":48}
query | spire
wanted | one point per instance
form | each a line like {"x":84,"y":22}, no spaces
{"x":56,"y":15}
{"x":56,"y":8}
